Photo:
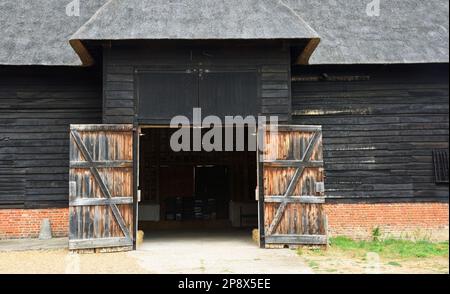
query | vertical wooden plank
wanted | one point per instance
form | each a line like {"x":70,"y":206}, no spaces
{"x":80,"y":222}
{"x":96,"y":231}
{"x":73,"y":233}
{"x":107,"y":222}
{"x":260,"y":170}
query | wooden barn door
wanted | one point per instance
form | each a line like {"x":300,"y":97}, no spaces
{"x":101,"y":187}
{"x":291,"y":167}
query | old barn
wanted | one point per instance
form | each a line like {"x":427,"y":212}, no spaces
{"x":87,"y":94}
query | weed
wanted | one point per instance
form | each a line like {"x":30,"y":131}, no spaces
{"x":376,"y":234}
{"x":392,"y":247}
{"x":313,"y":264}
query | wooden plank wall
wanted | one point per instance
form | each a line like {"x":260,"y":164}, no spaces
{"x":37,"y":104}
{"x":380,"y":124}
{"x":121,"y":59}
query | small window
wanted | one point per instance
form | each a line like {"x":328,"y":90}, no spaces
{"x":440,"y":162}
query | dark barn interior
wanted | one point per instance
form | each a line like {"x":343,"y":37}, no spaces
{"x":194,"y":189}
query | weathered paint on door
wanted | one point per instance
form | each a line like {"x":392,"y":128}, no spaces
{"x":292,"y":172}
{"x":101,"y":187}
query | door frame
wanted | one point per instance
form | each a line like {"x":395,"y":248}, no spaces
{"x":136,"y":168}
{"x":136,"y":196}
{"x":260,"y":185}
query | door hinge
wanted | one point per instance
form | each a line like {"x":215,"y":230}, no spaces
{"x":320,"y":187}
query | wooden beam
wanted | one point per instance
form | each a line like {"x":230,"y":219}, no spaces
{"x":331,"y":78}
{"x":293,"y":199}
{"x":98,"y":243}
{"x":292,"y":163}
{"x":101,"y":201}
{"x":291,"y":128}
{"x":310,"y":149}
{"x":308,"y":51}
{"x":102,"y":127}
{"x":82,"y":52}
{"x":297,"y":239}
{"x":260,"y":187}
{"x":101,"y":164}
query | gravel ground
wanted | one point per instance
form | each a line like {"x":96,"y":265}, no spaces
{"x":61,"y":261}
{"x":227,"y":252}
{"x":214,"y":252}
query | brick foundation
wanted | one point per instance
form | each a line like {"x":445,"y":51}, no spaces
{"x":26,"y":223}
{"x":405,"y":220}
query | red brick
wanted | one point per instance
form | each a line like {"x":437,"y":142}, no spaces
{"x":358,"y":220}
{"x":25,"y":223}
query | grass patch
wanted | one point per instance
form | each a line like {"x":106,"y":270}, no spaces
{"x":313,"y":264}
{"x":331,"y":270}
{"x":392,"y":247}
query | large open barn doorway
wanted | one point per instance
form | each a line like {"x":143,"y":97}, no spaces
{"x":194,"y":190}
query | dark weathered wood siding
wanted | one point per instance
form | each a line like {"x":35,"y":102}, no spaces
{"x":120,"y":62}
{"x":37,"y":104}
{"x":380,"y":123}
{"x":379,"y":130}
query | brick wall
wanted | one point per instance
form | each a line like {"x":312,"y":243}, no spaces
{"x":406,"y":220}
{"x":26,"y":223}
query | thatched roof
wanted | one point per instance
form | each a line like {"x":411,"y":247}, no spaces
{"x":37,"y":32}
{"x":193,"y":20}
{"x":407,"y":31}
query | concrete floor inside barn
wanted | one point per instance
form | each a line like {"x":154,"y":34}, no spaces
{"x":214,"y":251}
